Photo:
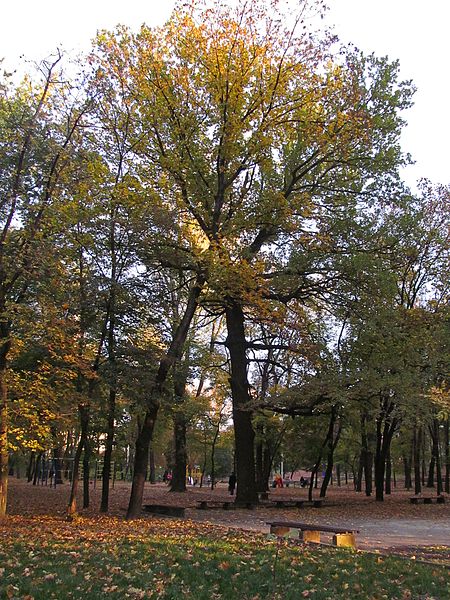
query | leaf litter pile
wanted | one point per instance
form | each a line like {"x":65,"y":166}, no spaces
{"x":44,"y":556}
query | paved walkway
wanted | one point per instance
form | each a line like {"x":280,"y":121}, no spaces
{"x":375,"y":534}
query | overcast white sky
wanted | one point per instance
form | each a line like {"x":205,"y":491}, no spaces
{"x":414,"y":31}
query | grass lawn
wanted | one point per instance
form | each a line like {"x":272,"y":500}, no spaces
{"x":46,"y":557}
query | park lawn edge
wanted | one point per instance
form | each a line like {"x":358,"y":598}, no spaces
{"x":47,"y":557}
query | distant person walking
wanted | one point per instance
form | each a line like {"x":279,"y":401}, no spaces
{"x":232,"y":483}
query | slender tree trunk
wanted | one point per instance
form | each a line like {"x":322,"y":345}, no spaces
{"x":388,"y":483}
{"x":437,"y":455}
{"x":368,"y":470}
{"x":359,"y":475}
{"x":151,"y":458}
{"x":407,"y":471}
{"x":213,"y":455}
{"x":423,"y":454}
{"x":145,"y":434}
{"x":83,"y":411}
{"x":334,"y":432}
{"x":86,"y":473}
{"x":430,"y":478}
{"x":267,"y":467}
{"x":447,"y":455}
{"x":4,"y":350}
{"x":259,"y":466}
{"x":109,"y":445}
{"x":417,"y":447}
{"x":244,"y":434}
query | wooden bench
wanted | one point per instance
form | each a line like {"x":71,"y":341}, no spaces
{"x":297,"y":503}
{"x":427,"y":499}
{"x":205,"y":504}
{"x":343,"y":536}
{"x":164,"y":509}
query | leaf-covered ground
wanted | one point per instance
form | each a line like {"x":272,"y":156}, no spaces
{"x":216,"y":553}
{"x":47,"y":557}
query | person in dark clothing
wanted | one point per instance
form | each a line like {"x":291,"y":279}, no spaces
{"x":232,"y":483}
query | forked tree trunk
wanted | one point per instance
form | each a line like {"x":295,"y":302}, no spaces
{"x":332,"y":439}
{"x":83,"y":411}
{"x":145,"y":434}
{"x":244,"y":434}
{"x":385,"y":428}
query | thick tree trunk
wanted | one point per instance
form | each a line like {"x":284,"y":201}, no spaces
{"x":37,"y":468}
{"x":140,"y":461}
{"x":31,"y":465}
{"x":145,"y":434}
{"x":407,"y":471}
{"x":244,"y":434}
{"x":178,"y":482}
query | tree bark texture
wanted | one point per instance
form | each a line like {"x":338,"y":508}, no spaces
{"x":178,"y":482}
{"x":244,"y":434}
